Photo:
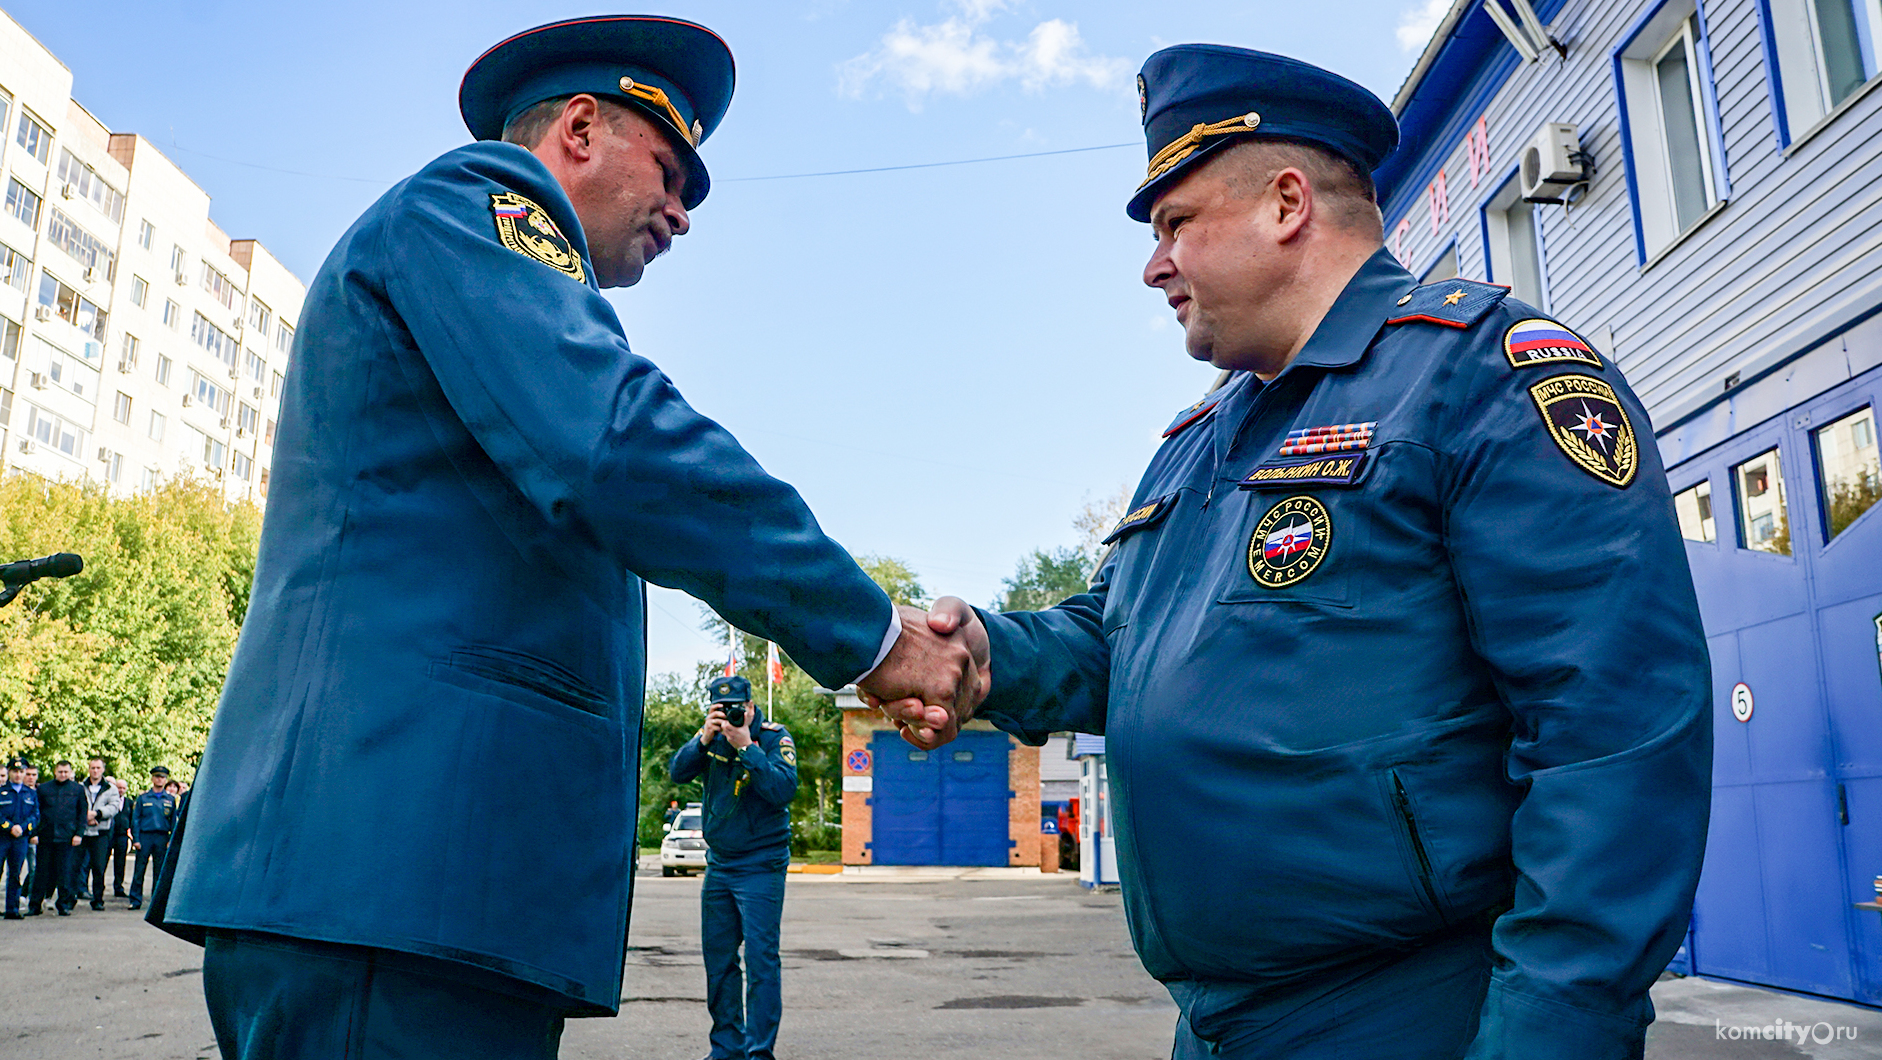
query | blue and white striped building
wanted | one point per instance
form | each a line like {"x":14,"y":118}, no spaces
{"x":1725,"y":250}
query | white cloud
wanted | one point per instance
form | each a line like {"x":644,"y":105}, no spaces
{"x":955,"y":56}
{"x":1417,"y":24}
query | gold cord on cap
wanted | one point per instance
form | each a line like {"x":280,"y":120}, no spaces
{"x":1188,"y":143}
{"x":659,"y":99}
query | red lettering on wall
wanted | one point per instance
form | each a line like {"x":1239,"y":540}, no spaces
{"x":1398,"y":240}
{"x":1439,"y":199}
{"x":1477,"y":147}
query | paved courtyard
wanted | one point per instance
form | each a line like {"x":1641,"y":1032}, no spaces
{"x":994,"y":969}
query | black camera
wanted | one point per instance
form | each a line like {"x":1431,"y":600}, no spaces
{"x":734,"y":714}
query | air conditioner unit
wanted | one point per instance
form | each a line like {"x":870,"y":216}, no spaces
{"x":239,"y":432}
{"x":1553,"y":163}
{"x":188,"y":400}
{"x":233,"y":373}
{"x":258,"y":391}
{"x":124,"y":366}
{"x":42,"y":313}
{"x":67,"y":190}
{"x":91,"y":274}
{"x":182,"y":279}
{"x":26,"y":445}
{"x":103,"y":454}
{"x":38,"y":380}
{"x":225,"y":423}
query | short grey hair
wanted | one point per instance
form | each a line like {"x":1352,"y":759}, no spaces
{"x":528,"y":128}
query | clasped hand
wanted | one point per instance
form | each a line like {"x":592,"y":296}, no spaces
{"x":937,"y":674}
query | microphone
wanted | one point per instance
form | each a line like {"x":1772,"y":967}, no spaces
{"x":26,"y":571}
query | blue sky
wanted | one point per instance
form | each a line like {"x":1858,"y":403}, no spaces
{"x":947,"y":363}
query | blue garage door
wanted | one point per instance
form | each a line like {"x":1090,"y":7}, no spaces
{"x":943,"y":807}
{"x":1791,"y":589}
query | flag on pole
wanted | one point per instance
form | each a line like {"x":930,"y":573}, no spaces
{"x":773,"y":668}
{"x":731,"y":652}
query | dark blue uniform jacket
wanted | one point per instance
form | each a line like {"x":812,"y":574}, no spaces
{"x":1487,"y":696}
{"x":747,"y":808}
{"x":154,"y":811}
{"x":473,"y":474}
{"x":19,"y":806}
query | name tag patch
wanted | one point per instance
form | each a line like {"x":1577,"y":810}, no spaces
{"x":1307,"y":471}
{"x":1147,"y":515}
{"x":1289,"y":542}
{"x":1533,"y":342}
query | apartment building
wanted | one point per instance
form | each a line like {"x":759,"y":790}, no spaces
{"x":137,"y":340}
{"x":1696,"y":187}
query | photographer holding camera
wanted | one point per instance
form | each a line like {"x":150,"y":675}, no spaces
{"x":750,"y":766}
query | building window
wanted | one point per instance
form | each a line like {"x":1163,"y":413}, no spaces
{"x":1445,"y":268}
{"x":177,"y":261}
{"x":163,"y":370}
{"x":121,"y":408}
{"x":157,"y":424}
{"x":274,"y":385}
{"x":284,"y":338}
{"x":1763,"y":520}
{"x":267,"y":435}
{"x":1673,"y":172}
{"x":220,"y":287}
{"x":146,"y":234}
{"x":246,"y":418}
{"x":257,"y":369}
{"x":1848,"y":469}
{"x":1513,"y":243}
{"x":140,"y":291}
{"x":172,"y":313}
{"x":114,"y":467}
{"x":6,"y":407}
{"x":72,"y":307}
{"x":242,"y":466}
{"x":264,"y":484}
{"x":54,"y":432}
{"x":22,"y":203}
{"x":127,"y":353}
{"x":1826,"y":53}
{"x":1694,"y":508}
{"x":10,"y":332}
{"x":219,"y":343}
{"x":149,"y":479}
{"x":215,"y":454}
{"x":99,"y":260}
{"x":15,"y":268}
{"x":260,"y":317}
{"x":69,"y":372}
{"x":211,"y":395}
{"x":36,"y":138}
{"x":85,"y":183}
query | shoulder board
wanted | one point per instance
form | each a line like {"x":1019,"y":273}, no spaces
{"x":1138,"y":518}
{"x":1200,"y":410}
{"x":774,"y":726}
{"x":1452,"y":303}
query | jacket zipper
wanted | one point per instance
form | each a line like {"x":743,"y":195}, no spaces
{"x":1403,"y":801}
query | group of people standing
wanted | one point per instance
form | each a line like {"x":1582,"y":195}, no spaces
{"x":61,"y":835}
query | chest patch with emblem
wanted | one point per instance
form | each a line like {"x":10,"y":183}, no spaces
{"x":1338,"y":470}
{"x":527,"y":229}
{"x":1289,"y":542}
{"x":1586,"y":421}
{"x":1531,"y":342}
{"x":1334,"y":438}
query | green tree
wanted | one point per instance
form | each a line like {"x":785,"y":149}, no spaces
{"x":1045,"y":578}
{"x":126,"y":660}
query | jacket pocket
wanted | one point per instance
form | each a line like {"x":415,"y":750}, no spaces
{"x":1421,"y":866}
{"x":527,"y":673}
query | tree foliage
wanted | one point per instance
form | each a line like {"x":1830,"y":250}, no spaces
{"x":126,"y":660}
{"x":1045,"y":578}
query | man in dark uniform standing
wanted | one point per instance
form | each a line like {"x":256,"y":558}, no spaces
{"x":62,"y":812}
{"x":19,"y":818}
{"x":472,"y":475}
{"x":153,"y":817}
{"x":1402,"y":604}
{"x":750,"y":766}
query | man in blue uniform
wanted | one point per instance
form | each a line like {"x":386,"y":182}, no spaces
{"x":472,"y":475}
{"x":1401,"y":606}
{"x":750,"y":766}
{"x":153,"y":818}
{"x":19,"y":818}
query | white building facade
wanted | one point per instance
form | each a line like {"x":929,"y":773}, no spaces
{"x":137,"y":340}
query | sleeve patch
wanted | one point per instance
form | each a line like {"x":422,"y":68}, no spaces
{"x":1584,"y":418}
{"x":1535,"y":341}
{"x":527,"y":229}
{"x":788,"y":752}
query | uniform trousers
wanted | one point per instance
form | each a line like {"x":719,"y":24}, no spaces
{"x":58,"y":870}
{"x":13,"y":862}
{"x":277,"y":998}
{"x":97,"y":859}
{"x":1421,"y":1005}
{"x":120,"y":845}
{"x":150,"y":851}
{"x":743,"y":903}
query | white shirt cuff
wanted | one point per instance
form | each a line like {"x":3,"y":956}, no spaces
{"x":893,"y":634}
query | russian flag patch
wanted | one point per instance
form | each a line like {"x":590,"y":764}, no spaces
{"x":1536,"y":341}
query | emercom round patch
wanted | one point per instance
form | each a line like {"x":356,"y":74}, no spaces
{"x":1289,"y":542}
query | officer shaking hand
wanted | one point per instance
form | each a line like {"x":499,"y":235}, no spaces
{"x":750,"y":770}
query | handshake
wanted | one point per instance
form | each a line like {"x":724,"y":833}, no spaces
{"x":937,"y":674}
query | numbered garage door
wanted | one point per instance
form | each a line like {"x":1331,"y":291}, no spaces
{"x":944,"y":807}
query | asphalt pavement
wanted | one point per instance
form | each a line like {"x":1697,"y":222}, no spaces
{"x":999,"y":968}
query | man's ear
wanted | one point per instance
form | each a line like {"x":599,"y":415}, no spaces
{"x":574,"y":129}
{"x":1293,"y":203}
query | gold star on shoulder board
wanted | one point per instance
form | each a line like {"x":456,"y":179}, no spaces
{"x":1453,"y":298}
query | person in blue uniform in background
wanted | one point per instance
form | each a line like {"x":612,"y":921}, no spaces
{"x":153,"y":818}
{"x":750,"y":770}
{"x":472,"y":476}
{"x":19,"y":818}
{"x":1401,"y":605}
